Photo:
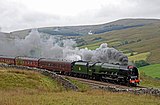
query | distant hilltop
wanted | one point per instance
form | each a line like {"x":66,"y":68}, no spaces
{"x":92,"y":29}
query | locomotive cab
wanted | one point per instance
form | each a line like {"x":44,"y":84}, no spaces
{"x":134,"y":76}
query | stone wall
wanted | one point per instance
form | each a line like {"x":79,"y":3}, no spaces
{"x":149,"y":91}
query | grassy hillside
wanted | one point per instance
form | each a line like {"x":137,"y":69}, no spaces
{"x":151,"y":70}
{"x":31,"y":88}
{"x":138,"y":57}
{"x":94,"y":97}
{"x":135,"y":40}
{"x":149,"y":81}
{"x":134,"y":36}
{"x":12,"y":79}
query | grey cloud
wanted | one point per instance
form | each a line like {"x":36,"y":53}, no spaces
{"x":131,"y":8}
{"x":14,"y":16}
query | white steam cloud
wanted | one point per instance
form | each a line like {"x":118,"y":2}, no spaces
{"x":34,"y":45}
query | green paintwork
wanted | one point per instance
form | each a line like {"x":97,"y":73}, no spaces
{"x":97,"y":68}
{"x":80,"y":67}
{"x":109,"y":68}
{"x":101,"y":68}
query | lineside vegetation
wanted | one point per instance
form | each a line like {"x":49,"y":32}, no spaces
{"x":32,"y":88}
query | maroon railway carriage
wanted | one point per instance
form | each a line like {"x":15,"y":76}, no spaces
{"x":8,"y":60}
{"x":55,"y":65}
{"x":26,"y":61}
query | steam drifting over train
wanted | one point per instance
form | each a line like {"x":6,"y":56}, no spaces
{"x":41,"y":46}
{"x":60,"y":56}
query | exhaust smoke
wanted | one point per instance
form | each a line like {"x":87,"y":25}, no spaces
{"x":36,"y":45}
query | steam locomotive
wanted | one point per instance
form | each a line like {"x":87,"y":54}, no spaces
{"x":99,"y":71}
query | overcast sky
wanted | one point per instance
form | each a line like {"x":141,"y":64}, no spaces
{"x":22,"y":14}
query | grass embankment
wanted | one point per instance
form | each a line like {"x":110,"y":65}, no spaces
{"x":148,"y":81}
{"x":150,"y":75}
{"x":94,"y":97}
{"x":82,"y":87}
{"x":31,"y":88}
{"x":28,"y":80}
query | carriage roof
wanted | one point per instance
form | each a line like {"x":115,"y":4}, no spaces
{"x":53,"y":60}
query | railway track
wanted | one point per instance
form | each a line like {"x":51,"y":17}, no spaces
{"x":116,"y":87}
{"x":95,"y":83}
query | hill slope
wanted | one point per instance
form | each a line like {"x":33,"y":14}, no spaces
{"x":14,"y":79}
{"x":135,"y":40}
{"x":132,"y":36}
{"x":92,"y":29}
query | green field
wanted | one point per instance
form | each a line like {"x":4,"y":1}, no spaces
{"x":151,"y":70}
{"x":138,"y":57}
{"x":149,"y":75}
{"x":31,"y":88}
{"x":148,"y":81}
